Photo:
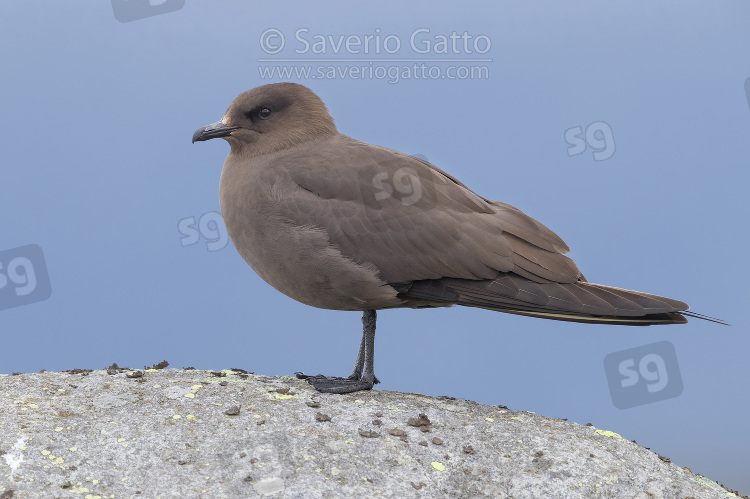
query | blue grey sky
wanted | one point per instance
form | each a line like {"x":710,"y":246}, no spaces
{"x":624,"y":127}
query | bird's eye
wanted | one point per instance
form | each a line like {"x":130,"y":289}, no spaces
{"x":265,"y":113}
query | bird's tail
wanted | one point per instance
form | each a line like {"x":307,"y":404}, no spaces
{"x":577,"y":302}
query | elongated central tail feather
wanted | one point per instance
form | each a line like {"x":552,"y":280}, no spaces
{"x":578,"y":301}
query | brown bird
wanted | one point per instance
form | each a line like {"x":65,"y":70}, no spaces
{"x":341,"y":224}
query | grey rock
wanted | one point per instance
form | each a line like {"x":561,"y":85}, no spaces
{"x":101,"y":436}
{"x":109,"y":400}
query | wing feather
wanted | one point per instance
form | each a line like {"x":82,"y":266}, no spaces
{"x":411,"y":220}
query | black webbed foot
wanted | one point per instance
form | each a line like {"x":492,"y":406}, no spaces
{"x":335,"y":384}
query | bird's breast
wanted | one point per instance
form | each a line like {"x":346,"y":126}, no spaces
{"x":298,"y":260}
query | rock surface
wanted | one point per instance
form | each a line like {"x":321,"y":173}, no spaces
{"x":189,"y":433}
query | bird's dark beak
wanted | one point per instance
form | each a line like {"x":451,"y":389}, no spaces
{"x":213,"y":131}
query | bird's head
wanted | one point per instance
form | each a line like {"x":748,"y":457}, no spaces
{"x":270,"y":118}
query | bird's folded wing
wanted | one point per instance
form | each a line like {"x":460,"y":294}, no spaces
{"x":409,"y":219}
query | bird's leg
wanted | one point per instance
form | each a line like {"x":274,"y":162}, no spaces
{"x":362,"y":356}
{"x":360,"y":364}
{"x":369,"y":317}
{"x":365,"y":362}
